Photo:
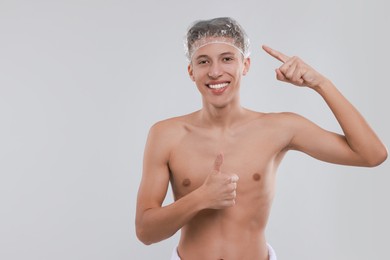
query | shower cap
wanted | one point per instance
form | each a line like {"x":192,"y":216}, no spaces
{"x":218,"y":30}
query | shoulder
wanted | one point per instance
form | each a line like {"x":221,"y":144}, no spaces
{"x":163,"y":136}
{"x":171,"y":128}
{"x":282,"y":115}
{"x":285,"y":124}
{"x":291,"y":125}
{"x":279,"y":119}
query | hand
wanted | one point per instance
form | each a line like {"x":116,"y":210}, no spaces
{"x":295,"y":71}
{"x":219,"y":188}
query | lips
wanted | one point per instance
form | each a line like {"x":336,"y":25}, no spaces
{"x":218,"y":85}
{"x":218,"y":88}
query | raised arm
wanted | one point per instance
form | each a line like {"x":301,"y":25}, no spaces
{"x":154,"y":222}
{"x":358,"y":146}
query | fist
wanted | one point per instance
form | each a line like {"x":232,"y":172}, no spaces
{"x":220,"y":188}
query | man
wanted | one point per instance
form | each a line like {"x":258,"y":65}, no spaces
{"x":221,"y":160}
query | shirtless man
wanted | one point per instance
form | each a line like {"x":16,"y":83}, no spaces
{"x":221,"y":160}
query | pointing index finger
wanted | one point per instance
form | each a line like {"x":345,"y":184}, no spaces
{"x":276,"y":54}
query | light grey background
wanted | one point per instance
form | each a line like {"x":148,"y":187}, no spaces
{"x":82,"y":81}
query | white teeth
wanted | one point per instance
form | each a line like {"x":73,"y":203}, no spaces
{"x":218,"y":86}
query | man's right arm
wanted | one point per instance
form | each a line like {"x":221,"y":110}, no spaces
{"x":154,"y":222}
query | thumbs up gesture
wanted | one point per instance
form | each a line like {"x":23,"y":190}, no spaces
{"x":219,"y":188}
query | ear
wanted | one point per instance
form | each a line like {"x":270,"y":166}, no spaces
{"x":247,"y":65}
{"x":191,"y":72}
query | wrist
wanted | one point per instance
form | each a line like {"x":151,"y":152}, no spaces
{"x":323,"y":85}
{"x":200,"y":202}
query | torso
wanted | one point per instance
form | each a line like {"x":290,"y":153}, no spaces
{"x":252,"y":150}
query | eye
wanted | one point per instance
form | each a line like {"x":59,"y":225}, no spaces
{"x":201,"y":62}
{"x":227,"y":59}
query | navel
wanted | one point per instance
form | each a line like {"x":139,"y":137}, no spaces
{"x":256,"y":177}
{"x":186,"y":182}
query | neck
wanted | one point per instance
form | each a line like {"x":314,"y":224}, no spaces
{"x":221,"y":117}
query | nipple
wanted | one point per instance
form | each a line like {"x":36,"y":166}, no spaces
{"x":186,"y":182}
{"x":256,"y":176}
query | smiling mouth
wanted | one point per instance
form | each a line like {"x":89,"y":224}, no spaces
{"x":218,"y":86}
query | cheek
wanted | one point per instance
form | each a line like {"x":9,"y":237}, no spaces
{"x":234,"y":69}
{"x":198,"y":74}
{"x":237,"y":73}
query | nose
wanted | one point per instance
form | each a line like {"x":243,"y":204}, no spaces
{"x":215,"y":70}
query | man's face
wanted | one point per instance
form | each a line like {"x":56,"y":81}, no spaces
{"x":217,"y":69}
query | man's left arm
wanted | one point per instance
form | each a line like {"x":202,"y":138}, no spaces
{"x":359,"y":146}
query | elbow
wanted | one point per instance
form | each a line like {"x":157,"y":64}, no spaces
{"x":148,"y":235}
{"x":142,"y":231}
{"x":143,"y":236}
{"x":378,"y":158}
{"x":145,"y":230}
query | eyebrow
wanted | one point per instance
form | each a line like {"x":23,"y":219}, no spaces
{"x":222,"y":54}
{"x":227,"y":53}
{"x":201,"y":56}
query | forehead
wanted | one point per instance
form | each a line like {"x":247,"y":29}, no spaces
{"x":213,"y":49}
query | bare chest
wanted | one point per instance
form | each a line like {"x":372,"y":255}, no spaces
{"x":253,"y":156}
